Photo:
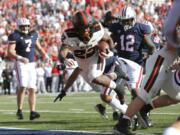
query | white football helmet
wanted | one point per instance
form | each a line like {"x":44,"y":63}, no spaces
{"x":127,"y":17}
{"x":150,"y":25}
{"x":23,"y":25}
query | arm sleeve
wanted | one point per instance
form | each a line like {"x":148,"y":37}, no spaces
{"x":11,"y":38}
{"x":145,"y":29}
{"x":171,"y":22}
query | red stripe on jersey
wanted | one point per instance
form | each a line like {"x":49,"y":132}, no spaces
{"x":85,"y":21}
{"x":105,"y":90}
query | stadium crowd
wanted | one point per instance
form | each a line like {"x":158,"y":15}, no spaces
{"x":51,"y":18}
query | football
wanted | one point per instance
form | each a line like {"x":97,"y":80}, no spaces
{"x":103,"y":46}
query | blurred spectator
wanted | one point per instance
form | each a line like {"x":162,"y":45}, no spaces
{"x":7,"y":79}
{"x":55,"y":78}
{"x":48,"y":76}
{"x":1,"y":70}
{"x":40,"y":78}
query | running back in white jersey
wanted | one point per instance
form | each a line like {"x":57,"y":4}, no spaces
{"x":86,"y":54}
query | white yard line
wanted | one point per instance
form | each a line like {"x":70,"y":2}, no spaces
{"x":82,"y":111}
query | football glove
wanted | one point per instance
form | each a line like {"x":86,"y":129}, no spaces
{"x":60,"y":96}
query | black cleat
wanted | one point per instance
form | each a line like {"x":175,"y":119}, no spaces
{"x":146,"y":118}
{"x":134,"y":123}
{"x":34,"y":115}
{"x":19,"y":115}
{"x":142,"y":123}
{"x":101,"y":110}
{"x":115,"y":115}
{"x":122,"y":127}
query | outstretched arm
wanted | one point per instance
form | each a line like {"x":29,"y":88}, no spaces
{"x":69,"y":83}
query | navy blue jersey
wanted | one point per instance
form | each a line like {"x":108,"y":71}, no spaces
{"x":25,"y":44}
{"x":129,"y":42}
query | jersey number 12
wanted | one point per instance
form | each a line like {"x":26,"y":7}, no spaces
{"x":127,"y":42}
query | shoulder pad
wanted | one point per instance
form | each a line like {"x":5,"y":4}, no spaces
{"x":144,"y":28}
{"x":70,"y":37}
{"x":71,"y":33}
{"x":33,"y":31}
{"x":97,"y":36}
{"x":17,"y":31}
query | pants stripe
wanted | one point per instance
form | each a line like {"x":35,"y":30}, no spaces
{"x":154,"y":73}
{"x":17,"y":73}
{"x":139,"y":79}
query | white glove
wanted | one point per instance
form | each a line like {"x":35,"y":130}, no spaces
{"x":106,"y":55}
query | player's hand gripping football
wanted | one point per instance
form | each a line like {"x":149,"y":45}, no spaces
{"x":60,"y":96}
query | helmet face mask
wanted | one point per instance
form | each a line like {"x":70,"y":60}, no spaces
{"x":85,"y":34}
{"x":24,"y":29}
{"x":82,"y":23}
{"x":127,"y":17}
{"x":23,"y":25}
{"x":127,"y":23}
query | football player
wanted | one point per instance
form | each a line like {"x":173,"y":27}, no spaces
{"x":131,"y":38}
{"x":22,"y":44}
{"x":83,"y":40}
{"x":156,"y":74}
{"x":134,"y":72}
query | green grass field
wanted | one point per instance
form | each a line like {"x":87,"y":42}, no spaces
{"x":75,"y":112}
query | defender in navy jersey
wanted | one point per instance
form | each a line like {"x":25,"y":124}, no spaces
{"x":22,"y":44}
{"x":129,"y":35}
{"x":131,"y":38}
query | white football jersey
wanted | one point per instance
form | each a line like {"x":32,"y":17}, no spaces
{"x":86,"y":54}
{"x":81,"y":49}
